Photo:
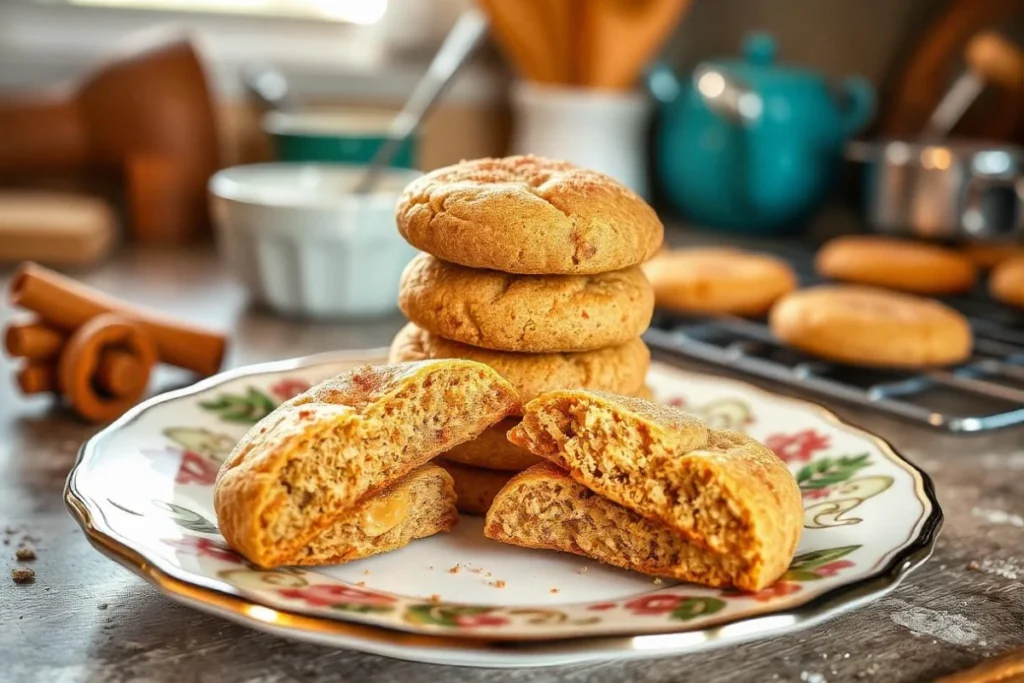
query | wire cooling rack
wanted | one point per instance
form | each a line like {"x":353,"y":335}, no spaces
{"x":984,"y":393}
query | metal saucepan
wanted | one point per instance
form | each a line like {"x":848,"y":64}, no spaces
{"x":957,"y":190}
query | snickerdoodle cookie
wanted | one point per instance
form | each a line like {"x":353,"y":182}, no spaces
{"x":1007,"y":282}
{"x":528,"y":215}
{"x":718,"y":280}
{"x":991,"y":255}
{"x":492,"y":450}
{"x":896,"y":264}
{"x":303,"y":468}
{"x":719,"y":490}
{"x":871,"y":326}
{"x":475,"y":487}
{"x":526,"y":313}
{"x":621,"y":368}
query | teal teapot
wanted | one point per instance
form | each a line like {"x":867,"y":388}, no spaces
{"x":751,"y":145}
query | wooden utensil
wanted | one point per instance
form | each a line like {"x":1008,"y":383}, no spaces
{"x":55,"y":228}
{"x":931,"y":65}
{"x":619,"y":37}
{"x":990,"y":58}
{"x":517,"y":26}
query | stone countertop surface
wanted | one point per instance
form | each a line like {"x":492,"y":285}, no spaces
{"x":85,"y":618}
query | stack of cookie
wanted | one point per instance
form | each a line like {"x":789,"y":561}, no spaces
{"x":531,"y":266}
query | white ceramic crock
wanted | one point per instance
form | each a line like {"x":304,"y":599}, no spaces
{"x":599,"y":129}
{"x":305,"y":246}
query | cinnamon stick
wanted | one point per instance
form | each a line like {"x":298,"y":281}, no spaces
{"x":66,"y":305}
{"x":120,"y":373}
{"x":35,"y":377}
{"x":33,"y":340}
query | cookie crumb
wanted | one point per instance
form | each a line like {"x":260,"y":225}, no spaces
{"x":366,"y":572}
{"x":23,"y":575}
{"x":554,"y":590}
{"x":475,"y":570}
{"x":583,"y":570}
{"x":454,"y":570}
{"x":658,"y":581}
{"x":974,"y":566}
{"x":498,"y":584}
{"x":10,"y":530}
{"x":430,"y":566}
{"x":361,"y":583}
{"x":25,"y":553}
{"x":102,"y":605}
{"x":435,"y":598}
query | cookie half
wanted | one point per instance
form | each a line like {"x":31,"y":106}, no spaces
{"x":420,"y":504}
{"x":305,"y":465}
{"x":528,"y":215}
{"x":621,"y":369}
{"x":872,"y":327}
{"x":545,"y":508}
{"x":526,"y":313}
{"x":896,"y":264}
{"x":718,"y":281}
{"x":720,"y":490}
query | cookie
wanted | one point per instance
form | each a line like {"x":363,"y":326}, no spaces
{"x":420,"y":504}
{"x":621,"y":369}
{"x":528,"y":215}
{"x":544,"y":508}
{"x":526,"y":313}
{"x":718,"y":281}
{"x":873,"y":327}
{"x":720,"y":490}
{"x":303,"y":467}
{"x":1006,"y":283}
{"x":896,"y":264}
{"x":991,"y":255}
{"x":475,"y":487}
{"x":492,"y":450}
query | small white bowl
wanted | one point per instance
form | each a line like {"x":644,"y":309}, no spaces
{"x":304,"y":245}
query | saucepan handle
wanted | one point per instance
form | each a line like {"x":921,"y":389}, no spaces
{"x":972,"y":216}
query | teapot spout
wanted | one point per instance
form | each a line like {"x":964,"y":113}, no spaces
{"x":726,"y":96}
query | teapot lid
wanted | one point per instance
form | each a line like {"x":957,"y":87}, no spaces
{"x":759,"y":62}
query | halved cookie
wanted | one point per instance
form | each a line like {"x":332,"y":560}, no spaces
{"x":544,"y":508}
{"x":300,"y":468}
{"x":721,"y":490}
{"x":475,"y":487}
{"x":420,"y":504}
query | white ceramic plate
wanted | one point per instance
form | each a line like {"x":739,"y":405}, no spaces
{"x":143,"y":491}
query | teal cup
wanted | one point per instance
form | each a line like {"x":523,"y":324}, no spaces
{"x":347,"y":137}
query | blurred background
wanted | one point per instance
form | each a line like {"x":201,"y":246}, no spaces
{"x":732,"y":116}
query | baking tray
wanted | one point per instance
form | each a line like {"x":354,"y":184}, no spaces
{"x":984,"y":393}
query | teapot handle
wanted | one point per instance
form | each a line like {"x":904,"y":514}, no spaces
{"x":860,"y":96}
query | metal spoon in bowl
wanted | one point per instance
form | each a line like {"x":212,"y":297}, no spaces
{"x":459,"y":44}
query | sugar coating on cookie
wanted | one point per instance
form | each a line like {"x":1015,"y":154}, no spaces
{"x":896,"y":264}
{"x":718,"y":280}
{"x":526,"y":313}
{"x":1007,"y":282}
{"x":475,"y":487}
{"x":869,"y":326}
{"x":528,"y":215}
{"x":305,"y":465}
{"x":622,"y":369}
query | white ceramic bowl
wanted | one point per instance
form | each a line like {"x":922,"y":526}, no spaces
{"x":304,"y":245}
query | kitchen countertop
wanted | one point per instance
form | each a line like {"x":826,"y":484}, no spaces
{"x":85,"y":618}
